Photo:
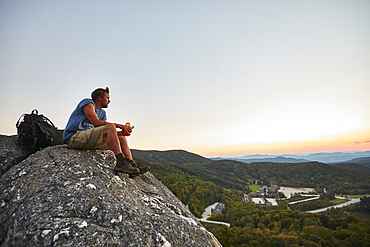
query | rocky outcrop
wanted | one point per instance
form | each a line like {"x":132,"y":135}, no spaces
{"x":64,"y":197}
{"x":11,"y":152}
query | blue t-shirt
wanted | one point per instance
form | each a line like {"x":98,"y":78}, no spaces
{"x":78,"y":120}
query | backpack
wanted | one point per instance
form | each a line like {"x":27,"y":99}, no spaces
{"x":37,"y":131}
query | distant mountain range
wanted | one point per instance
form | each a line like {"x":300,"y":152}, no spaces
{"x":279,"y":159}
{"x":233,"y":174}
{"x":292,"y":158}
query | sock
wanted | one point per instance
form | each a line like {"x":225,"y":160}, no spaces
{"x":119,"y":156}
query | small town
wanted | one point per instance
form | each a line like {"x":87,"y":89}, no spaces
{"x":267,"y":196}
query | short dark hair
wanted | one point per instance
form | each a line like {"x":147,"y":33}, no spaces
{"x":99,"y":92}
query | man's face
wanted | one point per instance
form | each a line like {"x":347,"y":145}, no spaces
{"x":105,"y":100}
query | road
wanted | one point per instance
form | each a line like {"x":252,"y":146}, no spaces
{"x":352,"y":201}
{"x":305,"y":200}
{"x":207,"y":213}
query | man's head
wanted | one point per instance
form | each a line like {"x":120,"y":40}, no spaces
{"x":101,"y":97}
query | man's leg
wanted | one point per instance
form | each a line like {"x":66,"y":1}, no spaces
{"x":113,"y":143}
{"x":127,"y":152}
{"x":110,"y":134}
{"x":124,"y":147}
{"x":116,"y":143}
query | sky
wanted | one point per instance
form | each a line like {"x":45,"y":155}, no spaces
{"x":216,"y":78}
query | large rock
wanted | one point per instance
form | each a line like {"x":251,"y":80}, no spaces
{"x":11,"y":152}
{"x":64,"y":197}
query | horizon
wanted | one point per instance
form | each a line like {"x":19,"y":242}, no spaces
{"x":298,"y":154}
{"x":251,"y":154}
{"x":220,"y":79}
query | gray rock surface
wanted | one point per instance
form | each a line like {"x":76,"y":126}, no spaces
{"x":64,"y":197}
{"x":11,"y":152}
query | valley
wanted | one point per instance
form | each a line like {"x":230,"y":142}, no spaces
{"x":200,"y":182}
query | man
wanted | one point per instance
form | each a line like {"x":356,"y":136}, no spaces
{"x":87,"y":128}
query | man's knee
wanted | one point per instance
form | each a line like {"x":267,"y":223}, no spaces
{"x":109,"y":128}
{"x":122,"y":138}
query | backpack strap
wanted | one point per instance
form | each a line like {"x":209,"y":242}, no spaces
{"x":17,"y":124}
{"x":48,"y":120}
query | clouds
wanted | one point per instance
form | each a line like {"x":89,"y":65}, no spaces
{"x":362,"y":142}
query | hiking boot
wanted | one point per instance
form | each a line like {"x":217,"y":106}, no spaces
{"x":123,"y":165}
{"x":142,"y":168}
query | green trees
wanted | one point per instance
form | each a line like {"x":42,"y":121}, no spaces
{"x":254,"y":226}
{"x":194,"y":192}
{"x":204,"y":183}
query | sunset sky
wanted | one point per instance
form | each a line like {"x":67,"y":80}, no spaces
{"x":216,"y":78}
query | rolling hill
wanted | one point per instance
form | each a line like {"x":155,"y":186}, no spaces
{"x":237,"y":175}
{"x":171,"y":156}
{"x":199,"y":182}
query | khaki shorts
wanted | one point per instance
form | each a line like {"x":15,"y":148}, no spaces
{"x":88,"y":139}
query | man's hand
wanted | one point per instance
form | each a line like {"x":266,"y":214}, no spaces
{"x":126,"y":130}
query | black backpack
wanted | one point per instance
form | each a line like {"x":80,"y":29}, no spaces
{"x":37,"y":131}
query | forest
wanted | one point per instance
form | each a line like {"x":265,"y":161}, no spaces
{"x":199,"y":182}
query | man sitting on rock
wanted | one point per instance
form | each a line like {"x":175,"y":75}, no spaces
{"x":87,"y":128}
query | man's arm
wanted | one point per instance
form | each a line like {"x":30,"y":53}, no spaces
{"x":89,"y":111}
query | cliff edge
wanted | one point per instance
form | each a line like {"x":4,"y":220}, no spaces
{"x":65,"y":197}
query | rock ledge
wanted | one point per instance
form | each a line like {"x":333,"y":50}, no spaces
{"x":65,"y":197}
